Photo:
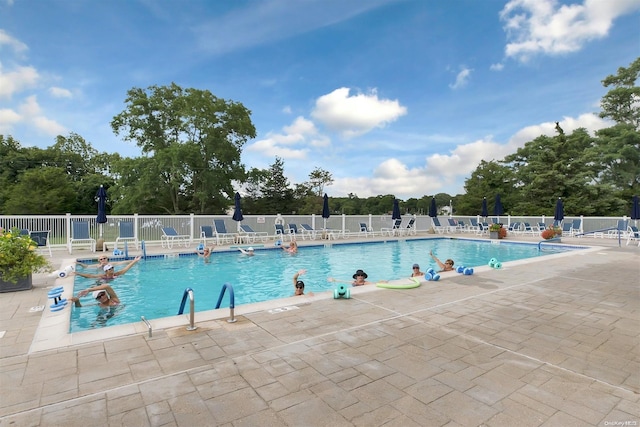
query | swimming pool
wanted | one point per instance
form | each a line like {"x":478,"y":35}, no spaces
{"x":154,"y":287}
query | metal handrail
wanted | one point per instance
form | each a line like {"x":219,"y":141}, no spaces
{"x":189,"y":292}
{"x":554,"y":239}
{"x":232,"y":301}
{"x":620,"y":232}
{"x":146,"y":322}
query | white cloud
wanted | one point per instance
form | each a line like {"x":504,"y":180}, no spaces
{"x":287,"y":109}
{"x":451,"y":169}
{"x":18,"y":79}
{"x":544,"y":27}
{"x":357,"y":114}
{"x":30,"y":106}
{"x":13,"y":43}
{"x":462,"y":78}
{"x":8,"y":118}
{"x":496,"y":67}
{"x":59,"y":92}
{"x":31,"y":113}
{"x":48,"y":126}
{"x":300,"y":132}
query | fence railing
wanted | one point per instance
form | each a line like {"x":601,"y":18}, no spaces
{"x":148,"y":228}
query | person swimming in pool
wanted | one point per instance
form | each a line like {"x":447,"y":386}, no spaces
{"x":108,"y":302}
{"x":416,"y":271}
{"x":206,"y":253}
{"x":108,"y":271}
{"x":248,"y":252}
{"x":102,"y":261}
{"x":359,"y":279}
{"x":292,"y":248}
{"x":103,"y":294}
{"x":444,"y":266}
{"x":298,"y":285}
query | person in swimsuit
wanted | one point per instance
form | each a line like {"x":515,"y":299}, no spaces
{"x":109,"y":272}
{"x":444,"y":266}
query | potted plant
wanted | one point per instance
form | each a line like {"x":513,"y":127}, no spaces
{"x":551,"y":233}
{"x":497,"y":231}
{"x":18,"y":261}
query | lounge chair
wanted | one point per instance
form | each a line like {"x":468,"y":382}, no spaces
{"x":620,"y":230}
{"x":281,"y":233}
{"x":250,"y":236}
{"x":462,"y":227}
{"x":293,"y":231}
{"x":576,"y":226}
{"x":206,"y":232}
{"x":514,"y":227}
{"x":307,"y":230}
{"x":392,"y":231}
{"x":42,"y":239}
{"x":482,"y":228}
{"x":528,"y":229}
{"x":411,"y":227}
{"x":171,"y":236}
{"x":633,"y":234}
{"x":126,"y":233}
{"x":474,"y":225}
{"x":567,"y":229}
{"x":222,"y":235}
{"x":80,"y":235}
{"x":453,"y":225}
{"x":541,"y":227}
{"x":437,"y":226}
{"x":365,"y":230}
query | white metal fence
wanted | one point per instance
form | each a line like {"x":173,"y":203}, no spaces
{"x":148,"y":228}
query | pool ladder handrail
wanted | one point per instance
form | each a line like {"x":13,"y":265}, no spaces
{"x":189,"y":292}
{"x":232,"y":301}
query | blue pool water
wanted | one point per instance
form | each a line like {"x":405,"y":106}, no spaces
{"x":155,"y":286}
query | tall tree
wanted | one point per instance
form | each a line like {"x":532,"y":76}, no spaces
{"x":318,"y":179}
{"x":622,"y":102}
{"x":195,"y":140}
{"x":276,"y":192}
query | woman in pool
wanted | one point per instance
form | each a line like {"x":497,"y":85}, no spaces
{"x":102,"y":261}
{"x":248,"y":252}
{"x":416,"y":271}
{"x":292,"y":248}
{"x":109,"y":272}
{"x":359,"y":279}
{"x":444,"y":266}
{"x":104,"y":294}
{"x":206,"y":253}
{"x":298,"y":285}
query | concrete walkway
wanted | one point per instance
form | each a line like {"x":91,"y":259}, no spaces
{"x":551,"y":342}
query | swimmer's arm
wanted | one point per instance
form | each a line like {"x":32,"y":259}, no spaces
{"x":435,"y":258}
{"x":131,"y":263}
{"x":88,"y":275}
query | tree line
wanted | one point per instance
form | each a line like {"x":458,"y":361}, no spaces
{"x":191,"y":142}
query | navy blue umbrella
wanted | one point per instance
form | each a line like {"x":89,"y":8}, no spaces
{"x":559,"y":213}
{"x":237,"y":211}
{"x":325,"y":209}
{"x":485,"y":211}
{"x":497,"y":207}
{"x":101,"y":196}
{"x":396,"y":210}
{"x":635,"y":208}
{"x":433,"y":209}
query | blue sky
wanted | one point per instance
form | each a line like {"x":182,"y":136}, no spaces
{"x":400,"y":97}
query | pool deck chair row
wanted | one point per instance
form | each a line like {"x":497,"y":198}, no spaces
{"x":171,"y":236}
{"x":222,"y":235}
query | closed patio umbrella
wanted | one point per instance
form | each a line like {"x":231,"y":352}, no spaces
{"x":635,"y":208}
{"x":485,"y":210}
{"x":433,"y":209}
{"x":497,"y":207}
{"x":396,"y":210}
{"x":237,"y":211}
{"x":325,"y":210}
{"x":101,"y":197}
{"x":559,"y":213}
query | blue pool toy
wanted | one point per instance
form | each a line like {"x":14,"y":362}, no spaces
{"x":436,"y":277}
{"x":461,"y":269}
{"x":341,"y":292}
{"x":117,"y":252}
{"x":201,"y":247}
{"x":428,"y":276}
{"x":497,"y":265}
{"x":431,"y":270}
{"x":468,"y":271}
{"x":278,"y":243}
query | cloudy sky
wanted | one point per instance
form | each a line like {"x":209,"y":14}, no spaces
{"x":400,"y":97}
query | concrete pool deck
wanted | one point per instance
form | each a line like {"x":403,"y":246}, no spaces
{"x":550,"y":342}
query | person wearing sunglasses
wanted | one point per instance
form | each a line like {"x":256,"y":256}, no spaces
{"x":444,"y":266}
{"x":359,"y":279}
{"x":104,"y":294}
{"x":416,"y":271}
{"x":109,"y":272}
{"x":102,"y":261}
{"x":298,"y":285}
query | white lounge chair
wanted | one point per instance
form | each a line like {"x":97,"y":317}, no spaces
{"x":171,"y":236}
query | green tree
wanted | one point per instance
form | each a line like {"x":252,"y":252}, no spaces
{"x":195,"y":140}
{"x":40,"y":192}
{"x":622,"y":102}
{"x":277,"y":195}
